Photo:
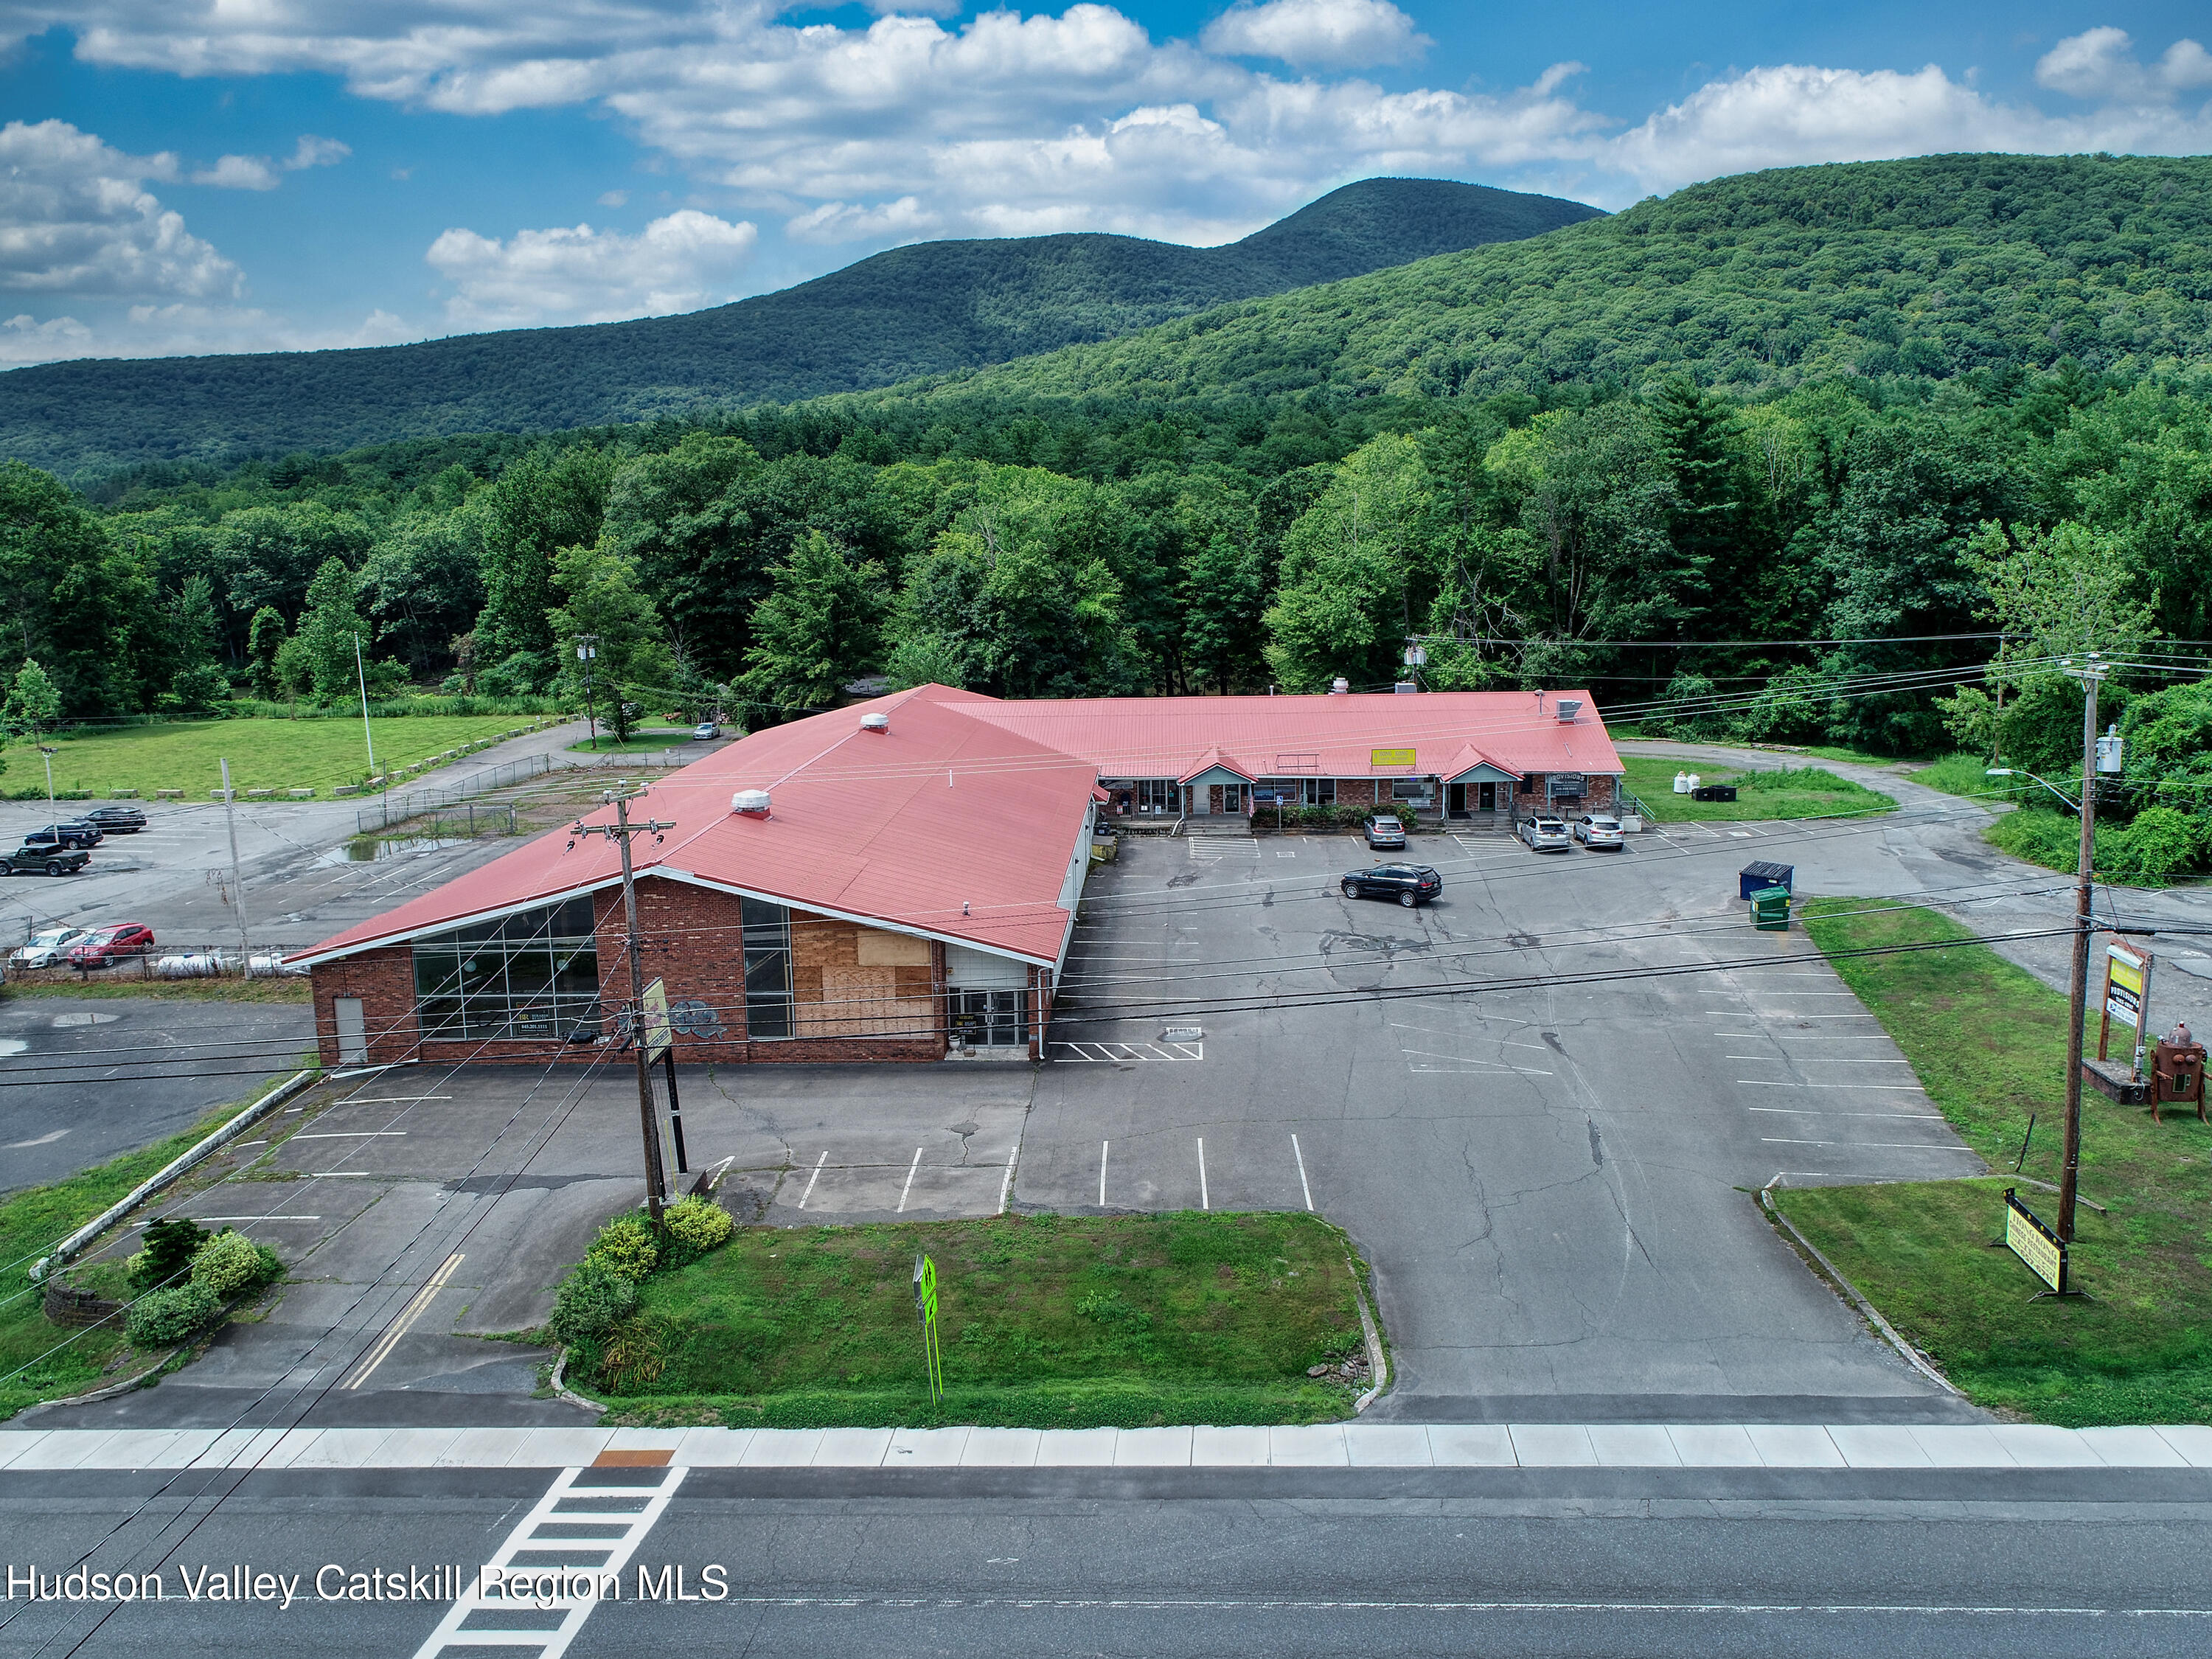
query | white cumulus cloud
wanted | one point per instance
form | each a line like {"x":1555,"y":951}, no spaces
{"x":1317,"y":34}
{"x":184,"y":329}
{"x":75,"y":218}
{"x":2101,"y":64}
{"x":679,"y":263}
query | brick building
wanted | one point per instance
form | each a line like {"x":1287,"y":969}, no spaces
{"x":884,"y":881}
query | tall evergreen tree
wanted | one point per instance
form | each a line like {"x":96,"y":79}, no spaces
{"x":819,"y":626}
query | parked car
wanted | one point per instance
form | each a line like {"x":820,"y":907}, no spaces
{"x":1384,"y":832}
{"x":705,"y":730}
{"x":1545,"y":833}
{"x":45,"y":948}
{"x":113,"y":943}
{"x":1599,"y":829}
{"x":116,"y":820}
{"x":53,"y":858}
{"x":1409,"y":884}
{"x":77,"y":832}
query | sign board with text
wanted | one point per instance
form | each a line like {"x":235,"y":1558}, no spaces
{"x":656,"y":1034}
{"x":2035,"y":1244}
{"x":2127,"y":999}
{"x":1379,"y":757}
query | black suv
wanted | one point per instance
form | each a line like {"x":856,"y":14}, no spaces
{"x":1409,"y":884}
{"x":77,"y":832}
{"x":113,"y":820}
{"x":27,"y":860}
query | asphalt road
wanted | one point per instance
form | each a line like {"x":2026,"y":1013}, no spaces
{"x":53,"y":1128}
{"x":1290,"y":1563}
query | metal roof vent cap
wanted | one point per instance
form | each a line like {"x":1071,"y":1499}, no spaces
{"x":1339,"y":686}
{"x":875,"y":722}
{"x":752,"y":803}
{"x":1569,"y":708}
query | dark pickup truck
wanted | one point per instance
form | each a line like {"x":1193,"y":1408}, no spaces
{"x":53,"y":861}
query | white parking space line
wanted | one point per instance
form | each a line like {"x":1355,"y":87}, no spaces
{"x":1069,"y":1051}
{"x":811,"y":1179}
{"x":1006,"y":1187}
{"x":1103,"y":1146}
{"x":1882,"y":1145}
{"x":1808,"y":1111}
{"x":336,"y":1134}
{"x":909,"y":1188}
{"x":1769,"y":1083}
{"x":1302,"y":1187}
{"x":1203,"y":1202}
{"x":1815,"y":1060}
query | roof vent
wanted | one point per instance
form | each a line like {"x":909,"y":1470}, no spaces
{"x":875,"y":722}
{"x":1406,"y":687}
{"x":1338,"y":686}
{"x":1569,"y":708}
{"x":752,"y":802}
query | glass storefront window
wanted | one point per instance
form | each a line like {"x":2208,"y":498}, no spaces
{"x":767,"y":967}
{"x":531,"y":976}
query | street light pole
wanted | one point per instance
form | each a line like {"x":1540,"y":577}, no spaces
{"x":588,"y":650}
{"x":620,"y":831}
{"x":360,"y":673}
{"x":49,"y":755}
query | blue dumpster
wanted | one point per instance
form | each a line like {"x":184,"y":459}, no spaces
{"x":1753,"y":877}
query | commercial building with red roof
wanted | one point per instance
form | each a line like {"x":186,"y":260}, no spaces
{"x":887,"y":880}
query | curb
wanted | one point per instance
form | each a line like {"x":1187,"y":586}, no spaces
{"x":1378,"y":1359}
{"x":562,"y":1390}
{"x":58,"y":1257}
{"x":145,"y":1379}
{"x":1872,"y":1315}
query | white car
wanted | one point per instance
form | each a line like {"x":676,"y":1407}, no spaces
{"x":1597,"y":829}
{"x":1545,"y":834}
{"x":46,"y":948}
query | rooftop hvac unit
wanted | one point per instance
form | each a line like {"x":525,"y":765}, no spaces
{"x":1569,"y":708}
{"x":1339,"y":686}
{"x":875,"y":722}
{"x":751,"y":803}
{"x":1404,"y":688}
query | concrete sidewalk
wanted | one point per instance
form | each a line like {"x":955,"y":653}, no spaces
{"x":1323,"y":1445}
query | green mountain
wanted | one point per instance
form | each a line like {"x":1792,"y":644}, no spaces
{"x":913,"y":311}
{"x":1924,"y":269}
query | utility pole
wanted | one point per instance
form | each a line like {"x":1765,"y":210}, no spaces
{"x":237,"y":881}
{"x":2090,"y":674}
{"x":587,"y":651}
{"x":620,"y":831}
{"x":360,"y":673}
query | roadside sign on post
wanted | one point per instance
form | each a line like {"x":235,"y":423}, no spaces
{"x":2127,"y":999}
{"x":925,"y":1304}
{"x":656,"y":1034}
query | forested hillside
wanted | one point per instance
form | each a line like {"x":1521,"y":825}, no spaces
{"x":918,"y":310}
{"x":1939,"y":461}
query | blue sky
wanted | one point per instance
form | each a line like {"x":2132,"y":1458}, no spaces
{"x":219,"y":175}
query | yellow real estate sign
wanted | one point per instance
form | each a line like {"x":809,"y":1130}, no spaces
{"x":2035,"y":1243}
{"x":1389,"y":757}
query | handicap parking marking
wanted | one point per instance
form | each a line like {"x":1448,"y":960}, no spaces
{"x":1121,"y":1054}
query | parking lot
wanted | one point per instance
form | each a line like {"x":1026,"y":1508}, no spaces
{"x":1542,"y":1106}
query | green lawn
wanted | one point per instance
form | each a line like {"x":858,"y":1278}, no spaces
{"x":1046,"y":1321}
{"x":40,"y":1361}
{"x":1988,"y":1042}
{"x":1968,"y":775}
{"x":264,"y":754}
{"x":640,"y":743}
{"x":1799,"y":793}
{"x":65,"y":982}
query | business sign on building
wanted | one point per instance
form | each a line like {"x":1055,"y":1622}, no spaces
{"x":2043,"y":1250}
{"x":1567,"y":786}
{"x":2125,"y":974}
{"x":1379,"y":758}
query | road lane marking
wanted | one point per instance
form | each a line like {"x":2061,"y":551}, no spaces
{"x":811,"y":1179}
{"x":1203,"y":1202}
{"x":1006,"y":1187}
{"x":1103,"y":1146}
{"x":414,"y":1310}
{"x":1806,"y":1111}
{"x":909,"y":1188}
{"x":1301,"y":1157}
{"x":1769,"y":1083}
{"x":1884,"y":1145}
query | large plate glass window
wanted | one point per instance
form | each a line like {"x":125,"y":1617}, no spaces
{"x":767,"y":967}
{"x":531,"y":976}
{"x":1158,"y":795}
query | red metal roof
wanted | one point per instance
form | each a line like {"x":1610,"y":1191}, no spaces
{"x":1328,"y":736}
{"x":962,"y":819}
{"x":945,"y":824}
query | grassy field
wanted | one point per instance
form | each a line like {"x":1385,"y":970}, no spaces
{"x":641,"y":743}
{"x":1967,"y":775}
{"x":1799,"y":793}
{"x":1047,"y":1321}
{"x":1988,"y":1043}
{"x":41,"y":1361}
{"x":264,"y":754}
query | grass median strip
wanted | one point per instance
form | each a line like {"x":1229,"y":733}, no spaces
{"x":1047,"y":1321}
{"x":264,"y":754}
{"x":1801,"y":791}
{"x":40,"y":1360}
{"x":1988,"y":1041}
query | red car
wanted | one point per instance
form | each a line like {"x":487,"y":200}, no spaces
{"x":113,"y":943}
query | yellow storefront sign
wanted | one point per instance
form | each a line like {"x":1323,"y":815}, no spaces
{"x":1379,"y":757}
{"x":2035,"y":1244}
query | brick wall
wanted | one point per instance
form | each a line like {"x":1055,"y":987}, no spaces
{"x":384,"y":981}
{"x":1355,"y":792}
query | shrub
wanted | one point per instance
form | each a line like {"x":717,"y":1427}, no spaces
{"x":697,"y":1224}
{"x":171,"y":1245}
{"x":230,"y":1264}
{"x":590,"y":1302}
{"x":626,"y":1246}
{"x":2161,"y":842}
{"x":632,"y":1356}
{"x":161,"y":1318}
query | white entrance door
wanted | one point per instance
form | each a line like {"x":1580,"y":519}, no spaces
{"x":353,"y":1032}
